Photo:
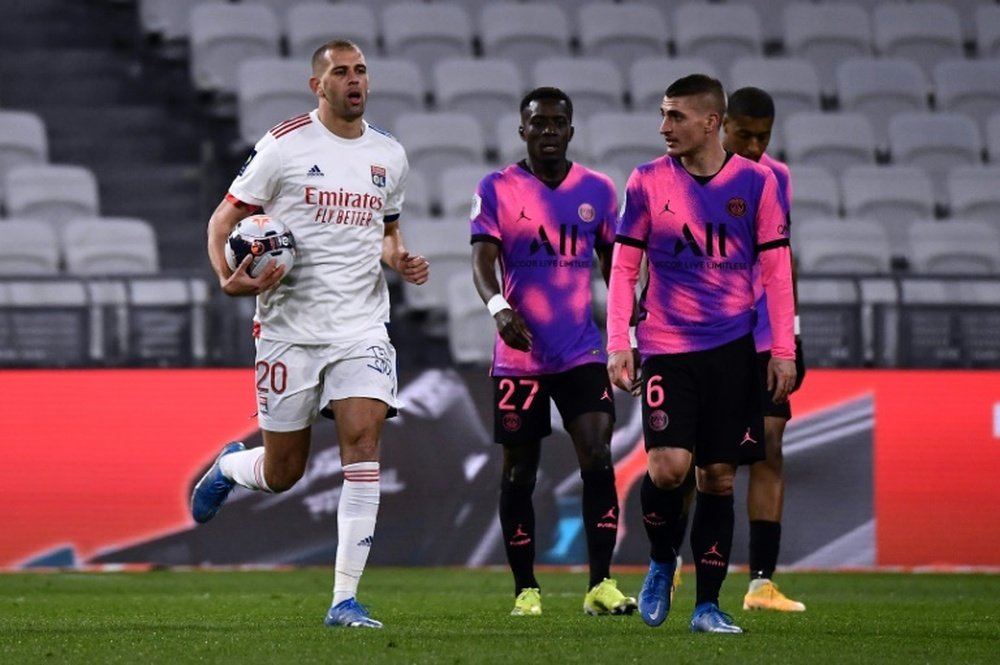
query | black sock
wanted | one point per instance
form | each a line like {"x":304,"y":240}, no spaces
{"x":517,"y":523}
{"x":680,"y":530}
{"x":765,"y":541}
{"x":711,"y":543}
{"x":600,"y":520}
{"x":660,"y":510}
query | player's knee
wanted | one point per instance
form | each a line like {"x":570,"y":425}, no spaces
{"x":667,"y":477}
{"x":716,"y":481}
{"x":283,"y":479}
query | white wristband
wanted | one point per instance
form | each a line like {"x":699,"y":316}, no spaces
{"x":497,"y":304}
{"x":798,"y":330}
{"x":633,"y":342}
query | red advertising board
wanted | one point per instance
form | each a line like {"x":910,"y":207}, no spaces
{"x":100,"y":459}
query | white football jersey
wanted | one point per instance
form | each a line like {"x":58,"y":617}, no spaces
{"x":334,"y":194}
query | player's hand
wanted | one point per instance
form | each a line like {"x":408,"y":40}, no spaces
{"x":240,"y":283}
{"x":800,"y":364}
{"x":637,"y":365}
{"x":513,"y":330}
{"x":621,"y":370}
{"x":414,"y":269}
{"x":780,"y":379}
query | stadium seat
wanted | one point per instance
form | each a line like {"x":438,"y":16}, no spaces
{"x":924,"y":32}
{"x":832,"y":140}
{"x":791,"y":82}
{"x":109,"y":246}
{"x":54,"y":193}
{"x":892,"y":196}
{"x":435,"y":141}
{"x":879,"y":88}
{"x":988,"y":31}
{"x":281,"y":8}
{"x":224,"y":35}
{"x":826,"y":34}
{"x":485,"y":88}
{"x":649,"y":77}
{"x":773,"y":29}
{"x":622,"y":33}
{"x":524,"y":33}
{"x":835,"y":245}
{"x":993,"y":136}
{"x":719,"y":33}
{"x":396,"y":88}
{"x":974,"y":193}
{"x":593,"y":84}
{"x":471,"y":329}
{"x":166,"y":322}
{"x":936,"y":142}
{"x":23,"y":141}
{"x":624,"y":140}
{"x":45,"y":323}
{"x":308,"y":27}
{"x":419,"y":201}
{"x":425,"y":33}
{"x":954,"y":247}
{"x":170,"y":20}
{"x":815,"y":193}
{"x":445,"y":243}
{"x":456,"y":187}
{"x":268,"y":91}
{"x":29,"y":247}
{"x":971,"y":87}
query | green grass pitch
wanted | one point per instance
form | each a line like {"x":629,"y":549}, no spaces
{"x":452,"y":616}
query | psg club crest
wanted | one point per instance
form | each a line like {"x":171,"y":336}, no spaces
{"x":586,"y":212}
{"x":511,"y":422}
{"x":736,"y":206}
{"x":378,"y":175}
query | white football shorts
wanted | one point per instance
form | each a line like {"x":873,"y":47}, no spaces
{"x":295,"y":382}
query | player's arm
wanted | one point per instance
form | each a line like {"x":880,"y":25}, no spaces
{"x":236,"y":282}
{"x":512,"y":327}
{"x":776,"y":270}
{"x":412,"y":268}
{"x":622,"y":365}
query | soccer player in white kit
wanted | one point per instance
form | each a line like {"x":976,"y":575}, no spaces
{"x":322,"y":339}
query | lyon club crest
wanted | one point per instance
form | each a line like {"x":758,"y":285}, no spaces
{"x":378,"y":175}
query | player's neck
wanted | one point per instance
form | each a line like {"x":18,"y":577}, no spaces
{"x":549,"y":172}
{"x":345,"y":129}
{"x":706,"y":161}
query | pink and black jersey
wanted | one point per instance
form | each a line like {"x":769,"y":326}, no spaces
{"x":701,"y":237}
{"x":762,"y":331}
{"x":547,"y":238}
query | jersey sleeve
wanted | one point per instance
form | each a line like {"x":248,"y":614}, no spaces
{"x":394,"y":198}
{"x":484,"y":223}
{"x":259,"y":179}
{"x":609,"y":218}
{"x":771,"y":225}
{"x":633,"y":221}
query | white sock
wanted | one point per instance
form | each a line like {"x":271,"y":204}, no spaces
{"x":245,"y":468}
{"x":758,"y":583}
{"x":355,"y":527}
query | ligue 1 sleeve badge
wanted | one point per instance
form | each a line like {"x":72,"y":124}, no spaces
{"x":378,"y":175}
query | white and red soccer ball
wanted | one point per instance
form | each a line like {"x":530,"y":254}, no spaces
{"x":263,"y":237}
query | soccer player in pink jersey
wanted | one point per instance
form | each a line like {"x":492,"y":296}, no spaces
{"x":542,"y":219}
{"x":702,"y":217}
{"x":322,"y":339}
{"x":746,"y":131}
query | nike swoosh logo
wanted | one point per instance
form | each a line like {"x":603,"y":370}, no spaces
{"x":653,"y":616}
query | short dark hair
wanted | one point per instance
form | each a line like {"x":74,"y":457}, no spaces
{"x":332,"y":45}
{"x":547,"y":92}
{"x":751,"y":102}
{"x":699,"y":84}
